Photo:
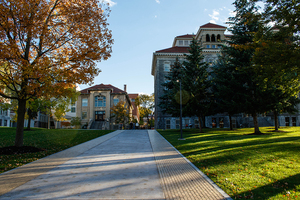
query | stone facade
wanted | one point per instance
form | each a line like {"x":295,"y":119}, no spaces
{"x":210,"y":36}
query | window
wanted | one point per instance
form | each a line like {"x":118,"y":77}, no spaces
{"x":221,"y":122}
{"x":73,"y":107}
{"x":100,"y":101}
{"x":294,"y":121}
{"x":186,"y":43}
{"x":116,"y":101}
{"x":207,"y":38}
{"x":213,"y":46}
{"x":208,"y":46}
{"x":4,"y":112}
{"x":167,"y":66}
{"x":180,"y":42}
{"x":196,"y":123}
{"x":233,"y":121}
{"x":5,"y":122}
{"x":287,"y":121}
{"x":177,"y":124}
{"x":186,"y":123}
{"x":0,"y":122}
{"x":84,"y":115}
{"x":84,"y":102}
{"x":214,"y":122}
{"x":132,"y":100}
{"x":213,"y":38}
{"x":168,"y":124}
{"x":218,"y":38}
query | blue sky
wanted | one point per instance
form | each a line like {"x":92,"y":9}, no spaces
{"x":141,"y":27}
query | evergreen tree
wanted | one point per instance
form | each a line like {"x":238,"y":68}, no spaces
{"x":168,"y":102}
{"x":196,"y":82}
{"x":276,"y":58}
{"x":226,"y":88}
{"x":244,"y":24}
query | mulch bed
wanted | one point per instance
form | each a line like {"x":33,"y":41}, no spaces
{"x":19,"y":150}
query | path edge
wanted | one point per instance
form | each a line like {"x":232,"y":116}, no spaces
{"x":226,"y":196}
{"x":14,"y":178}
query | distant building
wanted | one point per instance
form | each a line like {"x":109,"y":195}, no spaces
{"x":211,"y":37}
{"x":4,"y":117}
{"x":135,"y":111}
{"x":94,"y":104}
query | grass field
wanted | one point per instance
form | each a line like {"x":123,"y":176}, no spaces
{"x":53,"y":140}
{"x":245,"y":166}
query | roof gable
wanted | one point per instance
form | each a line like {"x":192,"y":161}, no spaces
{"x":174,"y":50}
{"x":186,"y":36}
{"x":211,"y":25}
{"x":102,"y":87}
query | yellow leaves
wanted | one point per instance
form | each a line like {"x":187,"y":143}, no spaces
{"x":66,"y":39}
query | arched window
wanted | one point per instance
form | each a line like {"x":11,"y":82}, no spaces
{"x":207,"y":38}
{"x":100,"y":101}
{"x":218,"y":38}
{"x":213,"y":38}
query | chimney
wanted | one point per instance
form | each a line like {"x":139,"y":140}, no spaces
{"x":125,"y":87}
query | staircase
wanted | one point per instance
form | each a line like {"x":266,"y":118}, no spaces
{"x":97,"y":125}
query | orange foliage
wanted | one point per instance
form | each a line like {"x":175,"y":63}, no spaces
{"x":47,"y":46}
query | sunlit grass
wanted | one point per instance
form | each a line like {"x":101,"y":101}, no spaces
{"x":245,"y":166}
{"x":53,"y":140}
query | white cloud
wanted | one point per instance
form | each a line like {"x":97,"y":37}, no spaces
{"x":110,"y":2}
{"x":212,"y":21}
{"x":214,"y":16}
{"x":157,"y":1}
{"x":155,"y":16}
{"x":231,"y":13}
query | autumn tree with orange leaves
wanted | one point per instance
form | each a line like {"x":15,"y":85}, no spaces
{"x":46,"y":46}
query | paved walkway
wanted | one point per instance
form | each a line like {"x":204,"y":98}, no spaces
{"x":133,"y":164}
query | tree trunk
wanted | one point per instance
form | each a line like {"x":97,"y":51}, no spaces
{"x":28,"y":125}
{"x":29,"y":112}
{"x":20,"y":122}
{"x":200,"y":125}
{"x":256,"y":128}
{"x":49,"y":120}
{"x":230,"y":122}
{"x":203,"y":120}
{"x":276,"y":120}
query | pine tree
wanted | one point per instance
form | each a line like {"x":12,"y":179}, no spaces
{"x":244,"y":24}
{"x":226,"y":87}
{"x":168,"y":102}
{"x":196,"y":82}
{"x":276,"y":59}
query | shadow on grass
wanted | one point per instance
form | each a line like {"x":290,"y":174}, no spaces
{"x":285,"y":187}
{"x":222,"y":150}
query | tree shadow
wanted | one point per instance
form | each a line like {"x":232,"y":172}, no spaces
{"x":284,"y":186}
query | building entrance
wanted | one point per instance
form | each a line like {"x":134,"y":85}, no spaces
{"x":99,"y":115}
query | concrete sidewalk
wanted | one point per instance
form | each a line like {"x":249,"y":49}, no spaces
{"x":133,"y":164}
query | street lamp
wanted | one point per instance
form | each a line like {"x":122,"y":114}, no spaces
{"x":181,"y":137}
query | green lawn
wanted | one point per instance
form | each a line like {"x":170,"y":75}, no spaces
{"x":53,"y":140}
{"x":245,"y":166}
